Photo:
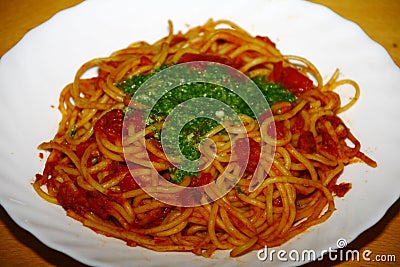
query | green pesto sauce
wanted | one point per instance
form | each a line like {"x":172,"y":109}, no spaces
{"x":194,"y":131}
{"x":177,"y":175}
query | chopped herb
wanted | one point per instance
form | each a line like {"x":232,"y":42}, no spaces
{"x":273,"y":92}
{"x":239,"y":190}
{"x":177,"y":175}
{"x":73,"y":131}
{"x":193,"y":132}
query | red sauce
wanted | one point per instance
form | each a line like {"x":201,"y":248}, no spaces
{"x":177,"y":39}
{"x":111,"y":125}
{"x":335,"y":121}
{"x":284,"y":108}
{"x":152,"y":218}
{"x":82,"y":201}
{"x":136,"y":120}
{"x":102,"y":76}
{"x":202,"y":179}
{"x":128,"y":183}
{"x":297,"y":124}
{"x":144,"y":61}
{"x":277,"y":202}
{"x":341,"y":189}
{"x":307,"y":142}
{"x":328,"y":144}
{"x":80,"y":149}
{"x":266,"y":40}
{"x":254,"y":157}
{"x":290,"y":78}
{"x":254,"y":153}
{"x":280,"y":130}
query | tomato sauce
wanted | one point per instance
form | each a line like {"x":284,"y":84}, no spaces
{"x":152,"y":218}
{"x":203,"y":178}
{"x":254,"y":153}
{"x":82,"y":201}
{"x":80,"y":148}
{"x":307,"y":142}
{"x":291,"y":79}
{"x":341,"y":189}
{"x":110,"y":124}
{"x":266,"y":40}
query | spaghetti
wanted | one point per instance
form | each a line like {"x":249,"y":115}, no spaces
{"x":87,"y":175}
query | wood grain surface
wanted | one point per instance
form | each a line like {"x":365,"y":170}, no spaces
{"x":379,"y":19}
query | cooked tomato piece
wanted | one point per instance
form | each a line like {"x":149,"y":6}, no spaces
{"x":341,"y":189}
{"x":266,"y":40}
{"x":202,"y":179}
{"x":111,"y":125}
{"x":82,"y":201}
{"x":307,"y":142}
{"x":290,"y":78}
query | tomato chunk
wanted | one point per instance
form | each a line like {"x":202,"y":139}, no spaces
{"x":82,"y":201}
{"x":307,"y":142}
{"x":111,"y":125}
{"x":202,"y":179}
{"x":290,"y":78}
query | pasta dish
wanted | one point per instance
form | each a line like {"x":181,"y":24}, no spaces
{"x":106,"y":146}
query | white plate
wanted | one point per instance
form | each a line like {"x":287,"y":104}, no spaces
{"x":33,"y":73}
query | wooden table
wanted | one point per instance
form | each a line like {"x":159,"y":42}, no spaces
{"x":379,"y":19}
